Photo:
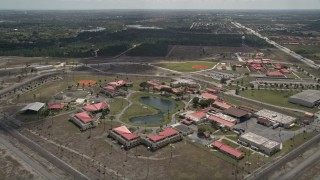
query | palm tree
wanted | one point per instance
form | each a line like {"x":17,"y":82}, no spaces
{"x":111,"y":118}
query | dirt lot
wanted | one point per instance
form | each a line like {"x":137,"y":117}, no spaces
{"x":277,"y":55}
{"x":12,"y":167}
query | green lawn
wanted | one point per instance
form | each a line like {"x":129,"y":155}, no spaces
{"x":186,"y":66}
{"x":279,"y":98}
{"x":227,"y":142}
{"x":291,"y":76}
{"x":117,"y":105}
{"x":302,"y":75}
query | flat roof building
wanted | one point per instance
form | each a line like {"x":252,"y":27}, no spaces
{"x":237,"y":113}
{"x":260,"y":143}
{"x":283,"y":120}
{"x":308,"y":98}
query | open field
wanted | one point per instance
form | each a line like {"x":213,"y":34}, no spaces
{"x":186,"y":66}
{"x":308,"y":51}
{"x":117,"y":105}
{"x":274,"y":97}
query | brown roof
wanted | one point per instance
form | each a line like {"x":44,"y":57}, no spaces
{"x":248,"y":109}
{"x":235,"y":112}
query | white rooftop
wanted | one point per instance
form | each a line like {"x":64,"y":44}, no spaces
{"x":254,"y":138}
{"x":36,"y":106}
{"x":275,"y":116}
{"x":270,"y":144}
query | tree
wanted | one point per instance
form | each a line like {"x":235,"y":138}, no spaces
{"x":223,"y":80}
{"x":205,"y":102}
{"x":143,"y":85}
{"x":201,"y":129}
{"x":195,"y":100}
{"x":234,"y":67}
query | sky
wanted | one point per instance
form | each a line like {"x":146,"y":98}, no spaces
{"x":159,"y":4}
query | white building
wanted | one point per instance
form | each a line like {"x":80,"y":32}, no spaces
{"x":260,"y":143}
{"x":283,"y":120}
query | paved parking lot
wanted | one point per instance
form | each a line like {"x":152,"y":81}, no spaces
{"x":273,"y":134}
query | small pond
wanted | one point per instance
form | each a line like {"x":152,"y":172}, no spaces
{"x":162,"y":105}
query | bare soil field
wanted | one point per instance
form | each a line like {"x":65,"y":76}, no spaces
{"x":277,"y":55}
{"x":11,"y":168}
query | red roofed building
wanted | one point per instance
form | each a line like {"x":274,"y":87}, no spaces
{"x":84,"y":120}
{"x":221,"y":105}
{"x":221,"y":121}
{"x":125,"y":137}
{"x":153,"y":83}
{"x":285,"y":71}
{"x":112,"y":91}
{"x":278,"y":66}
{"x":165,"y":137}
{"x":55,"y":106}
{"x":176,"y":90}
{"x":118,"y":83}
{"x":233,"y":152}
{"x":96,"y":107}
{"x":275,"y":74}
{"x":208,"y":96}
{"x":187,"y":122}
{"x":197,"y":117}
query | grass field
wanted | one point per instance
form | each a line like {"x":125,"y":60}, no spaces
{"x":117,"y":105}
{"x":279,"y":98}
{"x":186,"y":66}
{"x":230,"y":143}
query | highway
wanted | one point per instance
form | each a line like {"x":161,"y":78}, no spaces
{"x":309,"y":62}
{"x":43,"y":152}
{"x":30,"y":162}
{"x":263,"y":172}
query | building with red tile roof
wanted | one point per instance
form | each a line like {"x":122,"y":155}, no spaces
{"x":197,"y":117}
{"x":187,"y":121}
{"x":278,"y":66}
{"x":233,"y":152}
{"x":118,"y":83}
{"x":96,"y":107}
{"x":165,"y":137}
{"x":221,"y":121}
{"x":112,"y":91}
{"x":208,"y":96}
{"x":221,"y":105}
{"x":285,"y":71}
{"x":125,"y":137}
{"x":275,"y":74}
{"x":176,"y":90}
{"x":84,"y":120}
{"x":55,"y":106}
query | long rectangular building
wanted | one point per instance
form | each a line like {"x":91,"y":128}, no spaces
{"x":283,"y":120}
{"x":165,"y":137}
{"x":308,"y":98}
{"x":260,"y":143}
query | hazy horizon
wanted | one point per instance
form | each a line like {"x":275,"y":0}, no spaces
{"x":160,"y":4}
